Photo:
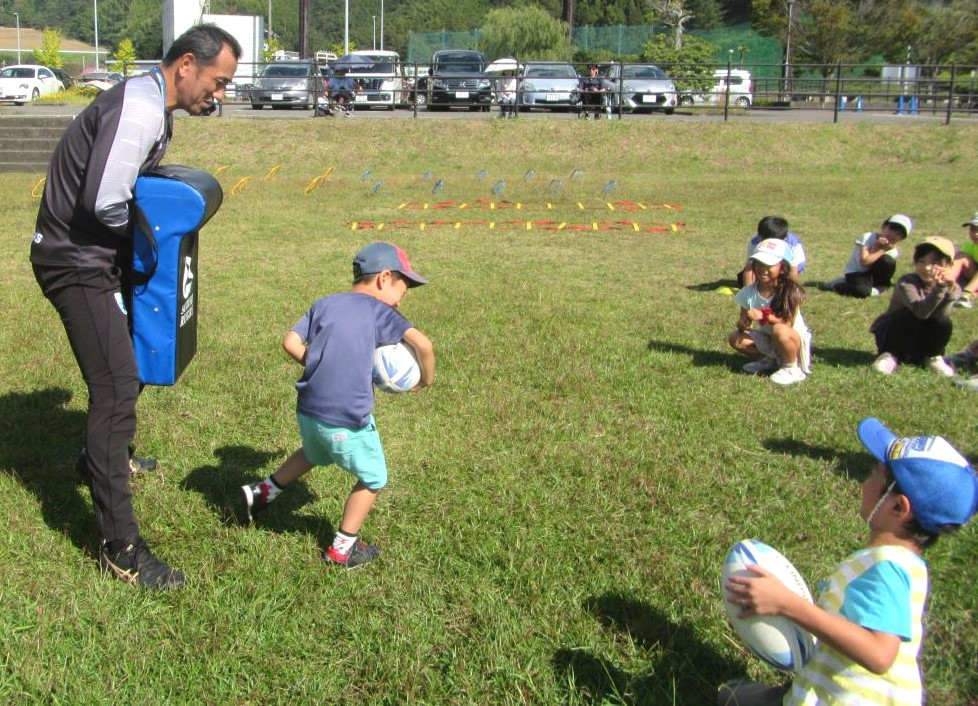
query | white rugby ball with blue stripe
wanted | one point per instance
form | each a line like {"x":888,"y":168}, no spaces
{"x":395,"y":368}
{"x":773,"y":638}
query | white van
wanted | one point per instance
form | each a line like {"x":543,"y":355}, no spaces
{"x":741,"y":90}
{"x":383,"y":84}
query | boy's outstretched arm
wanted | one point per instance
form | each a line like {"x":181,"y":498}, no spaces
{"x":766,"y":595}
{"x":295,"y":346}
{"x":425,"y":352}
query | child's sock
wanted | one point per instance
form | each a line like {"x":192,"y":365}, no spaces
{"x":269,"y":489}
{"x":343,"y":542}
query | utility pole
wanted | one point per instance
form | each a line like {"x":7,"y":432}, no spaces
{"x":303,"y":29}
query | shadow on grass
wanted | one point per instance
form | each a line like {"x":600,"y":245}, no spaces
{"x":683,"y":669}
{"x":39,"y":443}
{"x":713,"y":286}
{"x":843,"y":357}
{"x":220,"y":486}
{"x":851,"y":464}
{"x":714,"y":359}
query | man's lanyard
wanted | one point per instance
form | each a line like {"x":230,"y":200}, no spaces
{"x":158,"y":75}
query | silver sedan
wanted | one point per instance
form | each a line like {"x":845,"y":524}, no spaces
{"x":639,"y":87}
{"x":550,"y":85}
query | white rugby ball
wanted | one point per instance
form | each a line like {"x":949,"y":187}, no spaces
{"x":395,"y":368}
{"x":773,"y":638}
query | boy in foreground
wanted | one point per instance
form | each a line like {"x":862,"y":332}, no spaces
{"x":868,"y":621}
{"x":335,"y":343}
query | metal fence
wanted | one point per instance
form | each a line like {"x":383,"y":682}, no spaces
{"x":945,"y":91}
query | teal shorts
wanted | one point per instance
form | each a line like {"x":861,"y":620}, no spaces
{"x":356,"y":451}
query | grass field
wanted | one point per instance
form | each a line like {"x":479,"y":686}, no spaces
{"x":562,"y":498}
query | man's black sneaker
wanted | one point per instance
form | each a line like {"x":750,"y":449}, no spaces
{"x":362,"y":553}
{"x":136,"y":564}
{"x":141,"y":464}
{"x":137,"y":464}
{"x":255,"y":499}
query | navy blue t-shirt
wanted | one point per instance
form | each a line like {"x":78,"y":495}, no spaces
{"x":341,"y":333}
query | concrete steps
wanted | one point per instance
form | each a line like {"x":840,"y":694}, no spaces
{"x":27,"y":141}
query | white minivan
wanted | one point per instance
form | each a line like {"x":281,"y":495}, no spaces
{"x":383,"y":83}
{"x":741,"y":90}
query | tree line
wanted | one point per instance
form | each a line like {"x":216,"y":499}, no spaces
{"x":822,"y":31}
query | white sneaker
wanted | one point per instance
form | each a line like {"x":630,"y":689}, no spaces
{"x":788,"y":375}
{"x":965,"y":302}
{"x":874,"y":292}
{"x":939,"y":366}
{"x":760,"y":367}
{"x":885,"y":364}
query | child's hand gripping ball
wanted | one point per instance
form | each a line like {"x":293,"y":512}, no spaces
{"x":395,"y":368}
{"x":773,"y":638}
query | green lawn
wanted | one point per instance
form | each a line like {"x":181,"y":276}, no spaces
{"x":561,"y":500}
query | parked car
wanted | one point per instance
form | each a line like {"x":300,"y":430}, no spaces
{"x":22,"y":83}
{"x":639,"y":87}
{"x":110,"y":77}
{"x":741,"y":90}
{"x":381,"y":80}
{"x":66,"y":80}
{"x":286,"y":84}
{"x":458,"y":78}
{"x":549,"y":84}
{"x":416,"y":77}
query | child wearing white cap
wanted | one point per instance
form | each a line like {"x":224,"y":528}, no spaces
{"x":917,"y":326}
{"x":964,"y":270}
{"x":868,"y":617}
{"x":771,"y":328}
{"x":873,"y":261}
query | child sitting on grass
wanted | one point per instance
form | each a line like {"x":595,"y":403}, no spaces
{"x":335,"y":343}
{"x":964,"y":271}
{"x":873,"y":261}
{"x":868,"y":618}
{"x":774,"y":227}
{"x":781,"y":342}
{"x":916,"y":327}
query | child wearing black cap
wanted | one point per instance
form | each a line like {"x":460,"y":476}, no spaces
{"x":335,"y":343}
{"x":868,"y":619}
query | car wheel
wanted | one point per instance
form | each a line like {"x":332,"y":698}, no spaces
{"x":35,"y":94}
{"x":421,"y":98}
{"x":686,"y":101}
{"x":257,"y":106}
{"x":669,"y":111}
{"x":743,"y":102}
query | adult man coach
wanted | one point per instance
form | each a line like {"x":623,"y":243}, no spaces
{"x":82,"y":254}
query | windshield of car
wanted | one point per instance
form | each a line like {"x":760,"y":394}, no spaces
{"x":551,"y":71}
{"x":459,"y":68}
{"x":286,"y":70}
{"x":384,"y":67}
{"x":14,"y":72}
{"x":644,"y":72}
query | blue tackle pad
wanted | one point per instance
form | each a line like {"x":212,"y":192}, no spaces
{"x":172,"y":203}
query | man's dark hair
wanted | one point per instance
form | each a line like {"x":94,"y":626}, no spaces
{"x":204,"y":42}
{"x":772,"y":227}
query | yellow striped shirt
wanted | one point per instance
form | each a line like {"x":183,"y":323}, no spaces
{"x":830,"y":677}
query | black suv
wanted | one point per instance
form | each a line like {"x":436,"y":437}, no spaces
{"x":457,"y":77}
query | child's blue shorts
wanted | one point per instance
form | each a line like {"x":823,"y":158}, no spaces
{"x":357,"y":451}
